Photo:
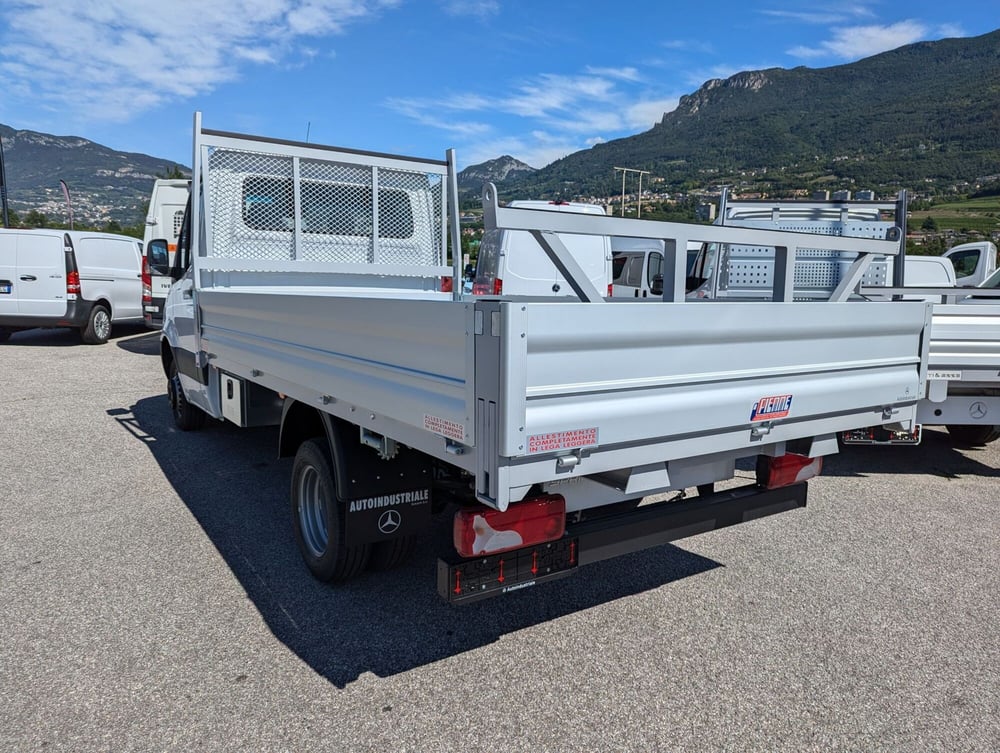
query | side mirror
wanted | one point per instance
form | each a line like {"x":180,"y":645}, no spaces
{"x":158,"y":257}
{"x":656,"y":288}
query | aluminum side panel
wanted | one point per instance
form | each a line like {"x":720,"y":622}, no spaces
{"x":966,"y":336}
{"x":683,"y":370}
{"x":403,"y":359}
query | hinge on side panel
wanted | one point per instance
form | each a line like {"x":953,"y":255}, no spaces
{"x":761,"y":430}
{"x":386,"y":447}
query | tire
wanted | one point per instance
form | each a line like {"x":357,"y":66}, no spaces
{"x":387,"y":555}
{"x":98,"y":328}
{"x":187,"y":417}
{"x":317,"y":518}
{"x":5,"y":334}
{"x":973,"y":436}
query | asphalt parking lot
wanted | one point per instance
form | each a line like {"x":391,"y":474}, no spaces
{"x":152,"y":599}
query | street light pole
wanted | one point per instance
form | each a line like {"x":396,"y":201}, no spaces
{"x":625,"y":171}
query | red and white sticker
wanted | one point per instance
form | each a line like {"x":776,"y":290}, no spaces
{"x":562,"y":440}
{"x":444,"y":427}
{"x":767,"y":408}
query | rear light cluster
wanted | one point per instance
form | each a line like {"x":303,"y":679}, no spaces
{"x":483,"y":530}
{"x":147,"y":282}
{"x":485,"y":288}
{"x":72,"y":283}
{"x":788,"y":469}
{"x":881,"y":435}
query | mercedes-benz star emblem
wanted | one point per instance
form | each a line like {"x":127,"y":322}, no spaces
{"x":977,"y":409}
{"x":390,"y":521}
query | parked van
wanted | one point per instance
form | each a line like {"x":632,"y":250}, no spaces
{"x":637,"y":266}
{"x":59,"y":278}
{"x":514,"y":264}
{"x":163,"y":222}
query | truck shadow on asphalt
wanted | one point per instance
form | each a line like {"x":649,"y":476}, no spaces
{"x":936,"y":454}
{"x":383,"y":623}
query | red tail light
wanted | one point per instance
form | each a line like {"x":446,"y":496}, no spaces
{"x":482,"y":530}
{"x":73,"y":283}
{"x":774,"y":473}
{"x":447,"y":285}
{"x":484,"y":288}
{"x":610,"y":289}
{"x":147,"y":282}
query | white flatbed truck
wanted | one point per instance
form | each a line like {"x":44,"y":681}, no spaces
{"x":308,"y":295}
{"x":963,"y":379}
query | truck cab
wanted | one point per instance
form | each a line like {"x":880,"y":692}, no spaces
{"x":164,"y":219}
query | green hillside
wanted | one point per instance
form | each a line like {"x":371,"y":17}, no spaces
{"x":922,"y":116}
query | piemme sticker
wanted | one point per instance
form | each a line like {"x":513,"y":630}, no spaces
{"x":444,"y":427}
{"x":562,"y":440}
{"x":769,"y":408}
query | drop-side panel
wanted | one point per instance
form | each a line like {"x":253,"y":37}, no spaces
{"x":965,"y":337}
{"x":405,"y":360}
{"x":581,"y":376}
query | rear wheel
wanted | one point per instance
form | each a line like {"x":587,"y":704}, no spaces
{"x":187,"y":417}
{"x":98,"y":327}
{"x":973,"y":436}
{"x":318,"y":519}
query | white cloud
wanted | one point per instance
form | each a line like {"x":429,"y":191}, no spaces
{"x":477,"y":8}
{"x":622,"y":74}
{"x":556,"y":114}
{"x":835,"y":14}
{"x":688,"y":45}
{"x":114,"y":59}
{"x":647,"y":113}
{"x":852,"y":43}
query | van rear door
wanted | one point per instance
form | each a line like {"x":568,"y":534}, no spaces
{"x":40,"y":277}
{"x":8,"y":273}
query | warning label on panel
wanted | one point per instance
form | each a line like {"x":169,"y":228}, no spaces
{"x":444,"y":427}
{"x":562,"y":440}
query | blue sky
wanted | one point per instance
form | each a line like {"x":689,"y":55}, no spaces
{"x":536,"y":80}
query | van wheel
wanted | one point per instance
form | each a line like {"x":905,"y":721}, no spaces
{"x":973,"y":436}
{"x":187,"y":417}
{"x":317,"y":518}
{"x":387,"y":555}
{"x":98,"y":328}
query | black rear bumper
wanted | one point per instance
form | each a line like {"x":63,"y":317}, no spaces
{"x":462,"y":581}
{"x":76,"y":315}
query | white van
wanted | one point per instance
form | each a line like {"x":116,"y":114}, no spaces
{"x":514,"y":263}
{"x":65,"y":278}
{"x":163,"y":221}
{"x":636,"y":263}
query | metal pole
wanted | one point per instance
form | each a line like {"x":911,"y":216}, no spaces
{"x":3,"y":188}
{"x":69,"y":205}
{"x":624,"y":173}
{"x":638,"y":197}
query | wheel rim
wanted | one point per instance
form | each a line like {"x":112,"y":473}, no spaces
{"x":173,"y":392}
{"x":102,"y":324}
{"x":312,"y":512}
